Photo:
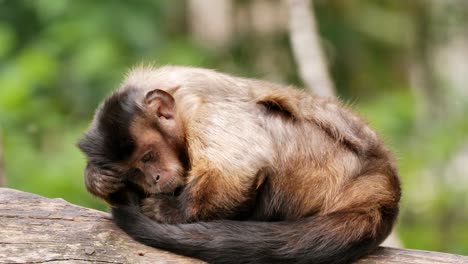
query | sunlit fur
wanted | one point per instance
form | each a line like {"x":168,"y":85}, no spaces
{"x":311,"y":182}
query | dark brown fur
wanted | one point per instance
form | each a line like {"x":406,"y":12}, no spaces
{"x":304,"y":179}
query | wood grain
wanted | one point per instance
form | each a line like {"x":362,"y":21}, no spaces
{"x":34,"y":229}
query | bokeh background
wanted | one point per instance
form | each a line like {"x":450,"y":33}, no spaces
{"x":403,"y":65}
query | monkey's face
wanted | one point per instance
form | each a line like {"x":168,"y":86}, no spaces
{"x":156,"y":165}
{"x":141,"y":142}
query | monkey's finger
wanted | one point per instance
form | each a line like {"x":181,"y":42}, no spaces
{"x":110,"y":179}
{"x":109,"y":173}
{"x":104,"y":189}
{"x":104,"y":185}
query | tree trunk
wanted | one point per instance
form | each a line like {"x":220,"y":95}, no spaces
{"x":211,"y":21}
{"x":34,"y":229}
{"x":305,"y":42}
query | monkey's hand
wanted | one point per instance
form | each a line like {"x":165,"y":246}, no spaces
{"x":102,"y":182}
{"x":162,"y":208}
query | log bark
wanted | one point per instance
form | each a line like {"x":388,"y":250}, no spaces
{"x":211,"y":28}
{"x":34,"y":229}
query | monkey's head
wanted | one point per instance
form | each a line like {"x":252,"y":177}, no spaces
{"x":138,"y":136}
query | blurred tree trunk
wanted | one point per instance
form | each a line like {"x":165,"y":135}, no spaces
{"x":267,"y":17}
{"x":211,"y":21}
{"x":305,"y":42}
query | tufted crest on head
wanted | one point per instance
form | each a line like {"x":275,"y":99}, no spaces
{"x":109,"y":140}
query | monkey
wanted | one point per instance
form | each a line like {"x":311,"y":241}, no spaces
{"x":235,"y":170}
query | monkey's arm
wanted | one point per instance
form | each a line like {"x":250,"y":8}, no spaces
{"x":101,"y":182}
{"x":208,"y":195}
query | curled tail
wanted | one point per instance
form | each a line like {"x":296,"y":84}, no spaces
{"x":338,"y":237}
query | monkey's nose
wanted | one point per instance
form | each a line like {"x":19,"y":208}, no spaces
{"x":155,"y":180}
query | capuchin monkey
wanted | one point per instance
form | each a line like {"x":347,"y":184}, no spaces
{"x":234,"y":170}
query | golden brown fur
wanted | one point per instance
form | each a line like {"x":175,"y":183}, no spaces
{"x":264,"y":152}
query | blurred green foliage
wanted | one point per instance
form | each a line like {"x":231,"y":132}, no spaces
{"x":59,"y":58}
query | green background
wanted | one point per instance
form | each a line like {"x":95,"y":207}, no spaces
{"x":59,"y":58}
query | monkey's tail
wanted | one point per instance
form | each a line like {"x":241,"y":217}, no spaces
{"x":338,"y":237}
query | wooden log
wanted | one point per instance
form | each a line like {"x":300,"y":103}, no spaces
{"x":34,"y":229}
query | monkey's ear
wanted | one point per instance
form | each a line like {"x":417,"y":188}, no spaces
{"x":161,"y":102}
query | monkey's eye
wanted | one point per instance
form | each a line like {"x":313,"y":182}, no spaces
{"x":147,"y":157}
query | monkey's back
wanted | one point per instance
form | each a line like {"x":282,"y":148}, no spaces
{"x":310,"y":148}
